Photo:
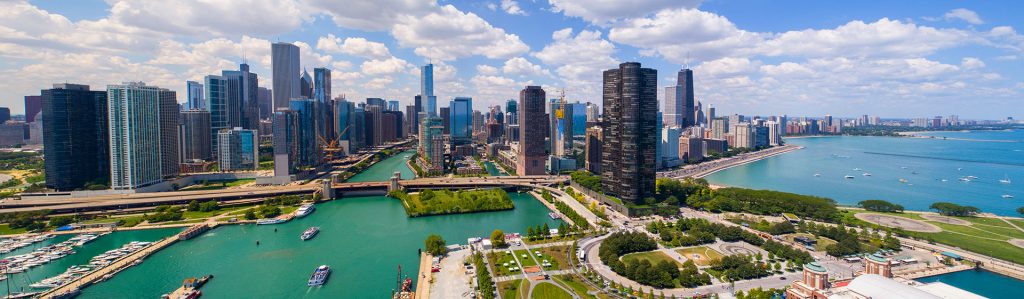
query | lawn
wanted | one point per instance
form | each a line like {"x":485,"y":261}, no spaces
{"x":501,"y":261}
{"x":986,"y":236}
{"x":549,"y":291}
{"x":823,"y":242}
{"x":651,"y":256}
{"x":524,"y":258}
{"x":544,"y":255}
{"x":6,"y":229}
{"x":557,"y":255}
{"x":441,"y":202}
{"x":214,"y":185}
{"x":513,"y":289}
{"x":706,"y":255}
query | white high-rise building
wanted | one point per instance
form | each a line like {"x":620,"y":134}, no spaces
{"x":143,"y":134}
{"x":774,"y":133}
{"x":743,"y":134}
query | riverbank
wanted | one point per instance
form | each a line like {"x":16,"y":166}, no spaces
{"x":707,"y":168}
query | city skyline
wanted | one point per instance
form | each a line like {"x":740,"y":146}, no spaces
{"x":911,"y":61}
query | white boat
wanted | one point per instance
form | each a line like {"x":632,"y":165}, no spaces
{"x":848,"y":176}
{"x":857,"y":169}
{"x":965,"y":179}
{"x":1007,"y":196}
{"x":817,"y":174}
{"x":319,"y":276}
{"x":1005,"y":180}
{"x":309,"y":233}
{"x":865,"y":174}
{"x":269,"y":221}
{"x":304,"y":210}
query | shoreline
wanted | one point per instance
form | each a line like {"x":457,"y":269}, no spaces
{"x":697,"y":170}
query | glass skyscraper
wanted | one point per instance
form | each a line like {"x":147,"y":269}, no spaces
{"x":75,"y":137}
{"x":142,"y":148}
{"x":629,"y":148}
{"x":461,"y":120}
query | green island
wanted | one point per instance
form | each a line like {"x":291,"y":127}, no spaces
{"x":442,"y":202}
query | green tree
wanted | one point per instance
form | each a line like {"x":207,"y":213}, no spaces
{"x":952,"y":209}
{"x":434,"y":245}
{"x":59,"y":221}
{"x":498,"y":238}
{"x":1020,"y":210}
{"x":250,"y":215}
{"x":546,"y":230}
{"x":879,"y":205}
{"x":530,"y":233}
{"x":193,"y":206}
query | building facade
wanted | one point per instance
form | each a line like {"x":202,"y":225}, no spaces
{"x":195,"y":135}
{"x":531,"y":134}
{"x":76,"y":137}
{"x":239,"y":149}
{"x":285,"y":69}
{"x":628,"y":159}
{"x":142,"y":126}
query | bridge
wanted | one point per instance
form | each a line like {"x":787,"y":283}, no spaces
{"x":363,"y":188}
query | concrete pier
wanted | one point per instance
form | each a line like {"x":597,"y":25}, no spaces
{"x":111,"y":269}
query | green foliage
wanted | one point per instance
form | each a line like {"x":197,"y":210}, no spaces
{"x":498,"y":239}
{"x":800,"y":257}
{"x":1020,"y":210}
{"x":483,"y":277}
{"x":434,"y":245}
{"x":21,"y":160}
{"x":31,"y":220}
{"x":164,"y":214}
{"x":572,"y":215}
{"x":13,"y":182}
{"x":59,"y":221}
{"x":269,"y":211}
{"x":440,"y":202}
{"x":192,"y":206}
{"x":587,"y":180}
{"x":209,"y":206}
{"x":765,"y":202}
{"x":952,"y":209}
{"x":287,"y":200}
{"x":696,"y":231}
{"x":739,"y":267}
{"x":250,"y":215}
{"x":879,"y":205}
{"x":759,"y":293}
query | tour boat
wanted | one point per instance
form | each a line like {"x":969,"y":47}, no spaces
{"x":309,"y":233}
{"x":319,"y":276}
{"x":305,"y":210}
{"x":1007,"y":196}
{"x":269,"y":221}
{"x":848,"y":176}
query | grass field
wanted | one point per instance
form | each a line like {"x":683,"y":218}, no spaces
{"x":6,"y":229}
{"x":513,"y":289}
{"x":524,"y":258}
{"x":197,"y":214}
{"x":557,"y":255}
{"x":441,"y":202}
{"x":823,"y":242}
{"x":651,"y":256}
{"x":498,"y":261}
{"x":706,"y":255}
{"x":986,"y":236}
{"x":549,"y":291}
{"x":214,"y":185}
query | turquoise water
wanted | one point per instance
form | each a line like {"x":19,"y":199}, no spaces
{"x":981,"y":282}
{"x":492,"y":169}
{"x":924,"y":163}
{"x":82,"y":255}
{"x":383,"y":170}
{"x":364,"y":239}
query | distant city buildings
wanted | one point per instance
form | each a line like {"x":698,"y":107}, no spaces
{"x":238,"y":149}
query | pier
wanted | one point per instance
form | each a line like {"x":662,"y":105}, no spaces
{"x":111,"y":269}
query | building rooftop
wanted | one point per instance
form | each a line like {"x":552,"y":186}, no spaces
{"x":814,"y":266}
{"x":876,"y":258}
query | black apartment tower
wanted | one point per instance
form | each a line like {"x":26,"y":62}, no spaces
{"x":75,"y":137}
{"x":630,"y":132}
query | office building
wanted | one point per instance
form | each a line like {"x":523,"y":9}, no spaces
{"x":460,"y":120}
{"x":195,"y":135}
{"x":670,"y":150}
{"x":774,"y":133}
{"x":761,"y":137}
{"x":560,"y":127}
{"x":679,"y":106}
{"x":743,"y":134}
{"x":216,"y":88}
{"x":416,"y":119}
{"x":393,"y":105}
{"x":239,"y":149}
{"x":427,"y":89}
{"x":511,"y":121}
{"x":531,"y":134}
{"x":322,"y":97}
{"x":194,"y":96}
{"x":445,"y":114}
{"x":592,"y":143}
{"x":33,"y":106}
{"x":76,"y":137}
{"x":5,"y":114}
{"x":593,"y":112}
{"x":305,"y":85}
{"x":143,"y":127}
{"x":12,"y":133}
{"x":265,"y":99}
{"x":343,"y":123}
{"x":242,"y":98}
{"x":691,"y":149}
{"x":285,"y":69}
{"x":410,"y":120}
{"x":628,"y":158}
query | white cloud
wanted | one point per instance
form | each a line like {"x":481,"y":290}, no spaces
{"x":386,"y":66}
{"x":963,"y":14}
{"x":971,"y":63}
{"x":521,"y":66}
{"x":371,"y":15}
{"x":378,"y":83}
{"x":356,"y":46}
{"x":449,"y":33}
{"x":727,"y":67}
{"x":602,"y":12}
{"x":883,"y":38}
{"x":579,"y":61}
{"x":512,"y":7}
{"x":681,"y":33}
{"x":493,"y":90}
{"x":199,"y":17}
{"x":484,"y":69}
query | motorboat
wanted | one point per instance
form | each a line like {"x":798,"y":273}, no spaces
{"x":319,"y":276}
{"x":269,"y":221}
{"x":817,"y":174}
{"x":1007,"y":196}
{"x":848,"y":176}
{"x":309,"y":233}
{"x":304,"y":210}
{"x":866,"y":174}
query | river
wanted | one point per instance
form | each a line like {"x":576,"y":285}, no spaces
{"x":364,"y":239}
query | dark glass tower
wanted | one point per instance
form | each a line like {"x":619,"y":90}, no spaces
{"x":531,"y":131}
{"x":685,"y":82}
{"x":75,"y":137}
{"x":630,"y":132}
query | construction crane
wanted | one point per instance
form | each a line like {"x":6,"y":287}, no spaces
{"x":332,"y":147}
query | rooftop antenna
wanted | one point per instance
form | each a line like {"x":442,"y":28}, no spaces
{"x":686,"y":63}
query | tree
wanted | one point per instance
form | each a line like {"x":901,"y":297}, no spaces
{"x":434,"y":245}
{"x":952,"y":209}
{"x":879,"y":205}
{"x":561,"y":230}
{"x":546,"y":231}
{"x":192,"y":206}
{"x":530,"y":233}
{"x":1020,"y":210}
{"x":498,"y":238}
{"x":250,"y":215}
{"x":59,"y":221}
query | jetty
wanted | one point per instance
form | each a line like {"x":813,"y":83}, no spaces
{"x":188,"y":287}
{"x":118,"y":265}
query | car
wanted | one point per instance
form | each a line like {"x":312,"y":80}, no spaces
{"x":782,"y":278}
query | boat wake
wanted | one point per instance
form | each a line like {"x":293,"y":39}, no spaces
{"x":945,"y":159}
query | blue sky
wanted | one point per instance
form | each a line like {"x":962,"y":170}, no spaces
{"x":887,"y":58}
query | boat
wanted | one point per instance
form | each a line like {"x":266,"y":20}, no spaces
{"x":848,"y":176}
{"x":1005,"y":180}
{"x":304,"y":210}
{"x":964,"y":179}
{"x":1007,"y":196}
{"x":319,"y":276}
{"x":817,"y":174}
{"x":553,"y":216}
{"x":857,"y":169}
{"x":19,"y":295}
{"x":865,"y":174}
{"x":309,"y":233}
{"x":959,"y":168}
{"x":269,"y":221}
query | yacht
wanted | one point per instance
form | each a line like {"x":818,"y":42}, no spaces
{"x":319,"y":276}
{"x":1007,"y":196}
{"x":857,"y":169}
{"x":817,"y":174}
{"x":269,"y":221}
{"x":903,"y":180}
{"x":1005,"y":180}
{"x":305,"y":210}
{"x":848,"y":176}
{"x":309,"y":233}
{"x":965,"y":179}
{"x":865,"y":174}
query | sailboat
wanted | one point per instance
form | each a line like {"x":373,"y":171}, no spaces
{"x":1005,"y":180}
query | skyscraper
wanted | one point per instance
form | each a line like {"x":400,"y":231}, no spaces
{"x":216,"y":88}
{"x":461,"y":120}
{"x":266,"y":102}
{"x":685,"y":82}
{"x":143,"y":125}
{"x":593,"y":112}
{"x":376,"y":102}
{"x":75,"y":138}
{"x":322,"y":96}
{"x":5,"y":114}
{"x":445,"y":116}
{"x":194,"y":95}
{"x":239,"y":149}
{"x":673,"y":111}
{"x":33,"y":105}
{"x":427,"y":89}
{"x":560,"y":126}
{"x":531,"y":132}
{"x":630,"y":134}
{"x":511,"y":121}
{"x":393,"y":105}
{"x":285,"y":64}
{"x":195,"y":135}
{"x":243,"y":98}
{"x":306,"y":85}
{"x":416,"y":119}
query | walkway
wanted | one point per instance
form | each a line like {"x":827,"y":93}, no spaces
{"x":112,"y":268}
{"x":709,"y":167}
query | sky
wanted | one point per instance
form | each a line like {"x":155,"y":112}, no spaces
{"x":757,"y":57}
